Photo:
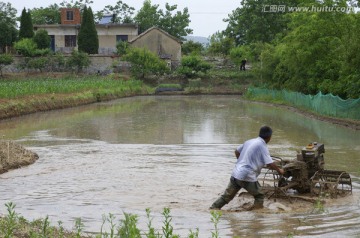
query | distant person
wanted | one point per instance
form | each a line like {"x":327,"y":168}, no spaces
{"x":251,"y":156}
{"x":243,"y":63}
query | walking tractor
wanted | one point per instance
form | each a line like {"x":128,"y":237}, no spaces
{"x":306,"y":175}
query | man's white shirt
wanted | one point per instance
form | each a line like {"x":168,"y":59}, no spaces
{"x":254,"y":155}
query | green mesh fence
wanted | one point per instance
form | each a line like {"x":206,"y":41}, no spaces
{"x":328,"y":104}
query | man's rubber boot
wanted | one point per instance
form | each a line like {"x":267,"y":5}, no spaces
{"x":218,"y":204}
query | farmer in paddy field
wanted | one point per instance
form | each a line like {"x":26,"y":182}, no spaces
{"x":251,"y":156}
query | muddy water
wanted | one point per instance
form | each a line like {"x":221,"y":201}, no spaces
{"x":154,"y":152}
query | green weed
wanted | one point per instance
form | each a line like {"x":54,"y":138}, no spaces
{"x":215,"y":218}
{"x":79,"y":227}
{"x":167,"y":228}
{"x":319,"y":206}
{"x":9,"y":224}
{"x":127,"y":227}
{"x":151,"y":229}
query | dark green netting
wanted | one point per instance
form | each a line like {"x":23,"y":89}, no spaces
{"x":328,"y":104}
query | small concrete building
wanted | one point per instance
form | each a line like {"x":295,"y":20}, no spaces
{"x":111,"y":33}
{"x":64,"y":36}
{"x":161,"y":43}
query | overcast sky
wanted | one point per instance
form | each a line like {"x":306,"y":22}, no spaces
{"x":206,"y":15}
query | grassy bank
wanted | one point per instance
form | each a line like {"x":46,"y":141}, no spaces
{"x":23,"y":94}
{"x":20,"y":96}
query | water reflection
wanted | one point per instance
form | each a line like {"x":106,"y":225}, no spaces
{"x":161,"y":151}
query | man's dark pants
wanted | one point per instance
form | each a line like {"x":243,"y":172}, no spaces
{"x":233,"y":187}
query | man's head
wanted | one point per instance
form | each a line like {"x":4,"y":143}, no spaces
{"x":265,"y":133}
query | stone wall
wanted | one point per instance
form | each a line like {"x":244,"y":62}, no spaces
{"x":99,"y":65}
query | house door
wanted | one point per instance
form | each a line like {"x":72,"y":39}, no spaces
{"x":52,"y":43}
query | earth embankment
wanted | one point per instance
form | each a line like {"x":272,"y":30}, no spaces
{"x":14,"y":155}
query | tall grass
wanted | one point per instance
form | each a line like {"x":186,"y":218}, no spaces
{"x":25,"y":87}
{"x":13,"y":225}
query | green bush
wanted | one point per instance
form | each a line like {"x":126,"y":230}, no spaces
{"x":42,"y":39}
{"x":5,"y":59}
{"x":78,"y":60}
{"x":193,"y":66}
{"x":122,"y":48}
{"x":144,"y":63}
{"x":26,"y":47}
{"x":37,"y":63}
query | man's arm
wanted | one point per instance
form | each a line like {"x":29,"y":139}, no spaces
{"x":275,"y":167}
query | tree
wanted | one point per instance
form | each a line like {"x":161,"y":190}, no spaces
{"x":175,"y":24}
{"x":318,"y":53}
{"x":88,"y":41}
{"x":42,"y":39}
{"x":8,"y":35}
{"x":26,"y":26}
{"x":220,"y":44}
{"x":253,"y":22}
{"x":48,"y":15}
{"x":148,"y":16}
{"x":76,"y":4}
{"x":191,"y":47}
{"x":350,"y":71}
{"x":8,"y":27}
{"x":5,"y":59}
{"x":144,"y":62}
{"x":121,"y":12}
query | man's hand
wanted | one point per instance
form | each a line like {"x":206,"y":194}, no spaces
{"x":281,"y":171}
{"x":237,"y":154}
{"x":275,"y":167}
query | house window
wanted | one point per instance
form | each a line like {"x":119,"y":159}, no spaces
{"x":69,"y":15}
{"x":122,"y":38}
{"x":70,"y":41}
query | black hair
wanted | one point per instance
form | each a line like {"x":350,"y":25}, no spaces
{"x":265,"y":132}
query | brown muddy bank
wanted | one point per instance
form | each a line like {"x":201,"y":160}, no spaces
{"x":13,"y":156}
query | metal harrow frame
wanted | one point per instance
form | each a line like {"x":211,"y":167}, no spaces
{"x":331,"y":182}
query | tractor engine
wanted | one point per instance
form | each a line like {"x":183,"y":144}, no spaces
{"x":299,"y":171}
{"x":306,"y":174}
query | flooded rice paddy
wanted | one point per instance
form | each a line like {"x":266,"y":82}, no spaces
{"x":169,"y":151}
